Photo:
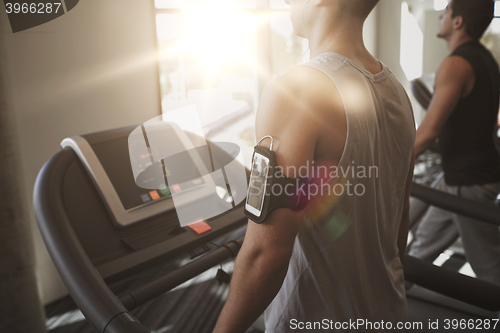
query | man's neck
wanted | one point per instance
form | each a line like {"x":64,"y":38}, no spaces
{"x":341,"y":39}
{"x":345,"y":39}
{"x":456,"y":40}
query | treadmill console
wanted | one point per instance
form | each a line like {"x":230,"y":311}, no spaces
{"x":134,"y":186}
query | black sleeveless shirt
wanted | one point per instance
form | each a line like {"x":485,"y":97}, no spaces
{"x":467,"y":139}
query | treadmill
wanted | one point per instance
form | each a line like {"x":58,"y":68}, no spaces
{"x":100,"y":227}
{"x":83,"y":195}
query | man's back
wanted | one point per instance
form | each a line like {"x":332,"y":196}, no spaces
{"x":345,"y":263}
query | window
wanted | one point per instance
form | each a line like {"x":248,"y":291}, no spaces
{"x":412,"y":42}
{"x":218,"y":55}
{"x":491,"y":38}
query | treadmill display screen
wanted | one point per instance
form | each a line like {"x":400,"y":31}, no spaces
{"x":114,"y":158}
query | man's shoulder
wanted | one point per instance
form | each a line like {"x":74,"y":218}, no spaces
{"x":454,"y":61}
{"x":304,"y":88}
{"x":476,"y":55}
{"x":296,"y":110}
{"x":454,"y":68}
{"x":299,"y":78}
{"x":473,"y":50}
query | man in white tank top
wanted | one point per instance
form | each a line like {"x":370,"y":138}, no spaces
{"x":337,"y":265}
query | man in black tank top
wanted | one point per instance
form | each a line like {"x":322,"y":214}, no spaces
{"x":463,"y":115}
{"x":469,"y":153}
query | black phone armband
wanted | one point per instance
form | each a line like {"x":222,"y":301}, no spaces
{"x":270,"y":189}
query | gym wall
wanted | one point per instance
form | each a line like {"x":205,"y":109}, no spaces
{"x":93,"y":69}
{"x":435,"y":49}
{"x":89,"y":70}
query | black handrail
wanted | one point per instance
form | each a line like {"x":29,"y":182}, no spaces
{"x":86,"y":286}
{"x":473,"y":209}
{"x":150,"y":291}
{"x":422,"y":90}
{"x":480,"y":293}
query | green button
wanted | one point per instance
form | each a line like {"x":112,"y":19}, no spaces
{"x":164,"y":189}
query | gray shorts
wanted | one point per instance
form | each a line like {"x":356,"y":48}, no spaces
{"x":440,"y":228}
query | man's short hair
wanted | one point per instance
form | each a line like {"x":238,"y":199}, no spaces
{"x":477,"y":15}
{"x":358,"y":8}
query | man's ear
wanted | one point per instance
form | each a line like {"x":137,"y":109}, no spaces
{"x":458,"y":22}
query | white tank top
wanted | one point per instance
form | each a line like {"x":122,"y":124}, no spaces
{"x":345,"y":264}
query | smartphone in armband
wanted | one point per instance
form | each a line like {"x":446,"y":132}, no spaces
{"x":257,"y":186}
{"x":268,"y":188}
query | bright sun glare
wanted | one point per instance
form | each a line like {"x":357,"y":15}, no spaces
{"x":217,"y":35}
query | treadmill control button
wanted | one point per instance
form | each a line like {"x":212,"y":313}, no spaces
{"x":200,"y":227}
{"x":154,"y":195}
{"x":164,"y":189}
{"x":145,"y":197}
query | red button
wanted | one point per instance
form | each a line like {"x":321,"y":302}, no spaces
{"x":200,"y":227}
{"x":154,"y":195}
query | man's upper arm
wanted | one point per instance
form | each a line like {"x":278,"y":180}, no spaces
{"x":285,"y":114}
{"x":453,"y":79}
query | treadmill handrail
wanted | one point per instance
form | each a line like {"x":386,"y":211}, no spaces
{"x":134,"y":298}
{"x":473,"y":209}
{"x":421,"y":93}
{"x":486,"y":295}
{"x":84,"y":283}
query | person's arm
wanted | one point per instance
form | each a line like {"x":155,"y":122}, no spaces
{"x":498,"y":119}
{"x":259,"y":270}
{"x":261,"y":266}
{"x":405,"y":219}
{"x":454,"y":80}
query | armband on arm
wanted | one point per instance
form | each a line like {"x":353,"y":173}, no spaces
{"x":270,"y":189}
